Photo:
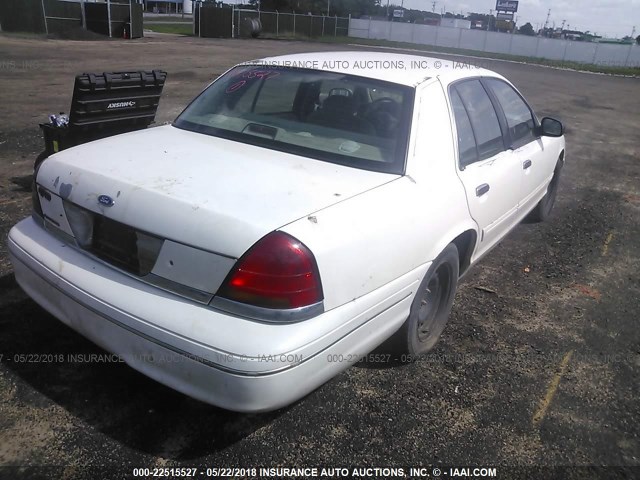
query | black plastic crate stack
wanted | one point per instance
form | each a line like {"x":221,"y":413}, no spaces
{"x":107,"y":104}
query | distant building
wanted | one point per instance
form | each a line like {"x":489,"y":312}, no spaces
{"x":455,"y":23}
{"x":617,"y":41}
{"x":572,"y":35}
{"x":165,"y":6}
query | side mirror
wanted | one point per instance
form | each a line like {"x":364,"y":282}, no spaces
{"x":550,"y":127}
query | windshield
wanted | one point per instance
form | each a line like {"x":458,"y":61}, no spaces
{"x":355,"y":121}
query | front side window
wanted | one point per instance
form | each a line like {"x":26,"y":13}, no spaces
{"x":483,"y":117}
{"x":519,"y":118}
{"x":355,"y":121}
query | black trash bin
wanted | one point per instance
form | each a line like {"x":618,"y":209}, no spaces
{"x":106,"y":104}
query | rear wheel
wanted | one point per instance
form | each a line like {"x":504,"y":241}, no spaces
{"x":430,"y":308}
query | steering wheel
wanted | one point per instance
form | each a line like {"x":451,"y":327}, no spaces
{"x":382,"y":103}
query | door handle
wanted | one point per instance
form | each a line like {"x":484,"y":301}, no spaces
{"x":526,"y":164}
{"x":482,"y":189}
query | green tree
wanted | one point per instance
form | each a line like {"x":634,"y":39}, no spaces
{"x":527,"y":29}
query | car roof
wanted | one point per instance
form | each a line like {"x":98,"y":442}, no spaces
{"x":398,"y":68}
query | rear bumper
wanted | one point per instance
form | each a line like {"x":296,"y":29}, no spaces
{"x":220,"y":359}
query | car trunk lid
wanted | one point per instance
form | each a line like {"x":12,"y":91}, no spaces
{"x":214,"y":194}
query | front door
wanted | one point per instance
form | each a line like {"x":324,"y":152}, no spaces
{"x":488,"y":170}
{"x":527,"y":146}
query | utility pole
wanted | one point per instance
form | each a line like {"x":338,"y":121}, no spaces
{"x":547,"y":21}
{"x":489,"y":19}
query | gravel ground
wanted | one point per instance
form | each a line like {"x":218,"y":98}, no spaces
{"x":555,"y":305}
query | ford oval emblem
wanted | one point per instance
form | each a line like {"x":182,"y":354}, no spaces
{"x":106,"y":200}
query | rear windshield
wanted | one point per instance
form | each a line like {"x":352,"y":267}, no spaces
{"x":334,"y":117}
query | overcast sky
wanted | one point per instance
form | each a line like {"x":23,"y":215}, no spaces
{"x":612,"y":18}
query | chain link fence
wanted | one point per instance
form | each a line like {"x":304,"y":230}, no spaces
{"x":214,"y":21}
{"x":111,"y":18}
{"x":275,"y":24}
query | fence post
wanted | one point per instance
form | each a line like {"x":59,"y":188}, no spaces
{"x":564,"y":54}
{"x":369,"y":30}
{"x":335,"y":26}
{"x":510,"y":43}
{"x":233,"y":21}
{"x":435,"y":43}
{"x":537,"y":47}
{"x":626,"y":61}
{"x":277,"y":24}
{"x":131,"y":18}
{"x":83,"y":14}
{"x":459,"y":37}
{"x":294,"y":24}
{"x":390,"y":31}
{"x":595,"y":53}
{"x":484,"y":44}
{"x":44,"y":17}
{"x":109,"y":16}
{"x":322,"y":26}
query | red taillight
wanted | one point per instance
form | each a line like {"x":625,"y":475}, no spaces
{"x":277,"y":272}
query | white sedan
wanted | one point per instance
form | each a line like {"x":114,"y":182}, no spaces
{"x":301,"y":211}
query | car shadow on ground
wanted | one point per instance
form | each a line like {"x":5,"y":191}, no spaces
{"x":22,"y":183}
{"x":65,"y":369}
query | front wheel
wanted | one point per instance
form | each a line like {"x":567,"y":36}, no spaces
{"x":542,"y":210}
{"x":431,"y":306}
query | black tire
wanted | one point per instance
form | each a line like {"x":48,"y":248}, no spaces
{"x":39,"y":159}
{"x":430,"y":308}
{"x":542,"y":210}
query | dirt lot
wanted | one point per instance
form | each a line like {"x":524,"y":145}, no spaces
{"x":540,"y":363}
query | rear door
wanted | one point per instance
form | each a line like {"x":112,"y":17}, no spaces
{"x":490,"y":174}
{"x":523,"y":140}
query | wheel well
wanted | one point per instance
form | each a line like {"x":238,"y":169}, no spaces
{"x":465,"y":243}
{"x":560,"y":163}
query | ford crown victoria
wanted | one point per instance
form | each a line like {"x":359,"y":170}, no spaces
{"x":288,"y":222}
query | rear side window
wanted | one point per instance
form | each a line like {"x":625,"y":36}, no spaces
{"x":483,"y":117}
{"x":467,"y":151}
{"x":519,"y":117}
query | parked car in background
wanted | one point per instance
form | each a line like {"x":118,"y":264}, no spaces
{"x":290,"y":220}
